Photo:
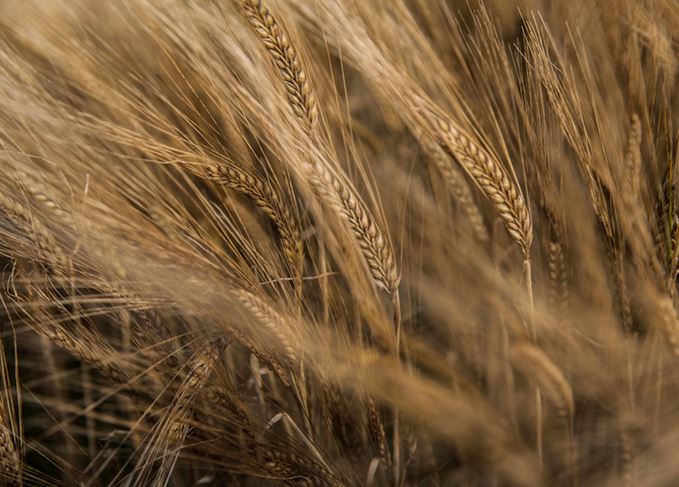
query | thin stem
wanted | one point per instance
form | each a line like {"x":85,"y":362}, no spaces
{"x":528,"y":279}
{"x":396,"y":447}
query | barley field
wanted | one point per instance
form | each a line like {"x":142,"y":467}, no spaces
{"x":339,"y":243}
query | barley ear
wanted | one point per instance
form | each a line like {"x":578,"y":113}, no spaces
{"x":491,"y":178}
{"x":632,"y":161}
{"x":266,"y":198}
{"x":285,"y":58}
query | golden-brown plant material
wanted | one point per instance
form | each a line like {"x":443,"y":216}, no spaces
{"x":339,"y":193}
{"x":557,"y":291}
{"x":285,"y":58}
{"x":271,"y":320}
{"x":90,"y":352}
{"x":622,"y":295}
{"x":51,"y":251}
{"x":287,"y":466}
{"x":262,"y":355}
{"x":361,"y":198}
{"x":490,"y":176}
{"x":376,"y":429}
{"x":374,"y":245}
{"x":10,"y":463}
{"x":174,"y":427}
{"x":192,"y":387}
{"x":632,"y":164}
{"x":266,"y":198}
{"x":460,"y":189}
{"x":537,"y":366}
{"x":626,"y":456}
{"x":38,"y":193}
{"x":670,"y":323}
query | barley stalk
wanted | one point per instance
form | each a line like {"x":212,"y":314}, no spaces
{"x":196,"y":380}
{"x":632,"y":160}
{"x":10,"y":462}
{"x":557,"y":291}
{"x":40,"y":234}
{"x":173,"y":429}
{"x":266,"y":198}
{"x":40,"y":194}
{"x":286,"y":59}
{"x":268,"y":317}
{"x":626,"y":446}
{"x":337,"y":192}
{"x":263,"y":356}
{"x":620,"y":279}
{"x":670,"y":323}
{"x":375,"y":248}
{"x":460,"y":189}
{"x":91,"y":352}
{"x":376,"y":430}
{"x":490,"y":176}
